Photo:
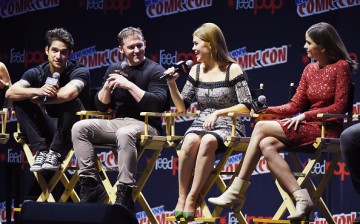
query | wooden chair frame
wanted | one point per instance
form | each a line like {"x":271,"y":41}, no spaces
{"x":233,"y":144}
{"x":321,"y":145}
{"x":4,"y":137}
{"x":146,"y":142}
{"x":59,"y":175}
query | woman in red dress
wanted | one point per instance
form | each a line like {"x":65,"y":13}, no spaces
{"x":324,"y":87}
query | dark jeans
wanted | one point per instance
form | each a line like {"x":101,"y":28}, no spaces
{"x":48,"y":127}
{"x":350,"y":147}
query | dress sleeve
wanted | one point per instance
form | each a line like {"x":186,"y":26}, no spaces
{"x":343,"y":81}
{"x":243,"y":93}
{"x":297,"y":103}
{"x":188,"y":93}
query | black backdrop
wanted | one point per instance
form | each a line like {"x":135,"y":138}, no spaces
{"x":265,"y":36}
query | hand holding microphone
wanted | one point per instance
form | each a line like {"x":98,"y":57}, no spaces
{"x":181,"y":67}
{"x":120,"y":71}
{"x":54,"y":81}
{"x":259,"y":105}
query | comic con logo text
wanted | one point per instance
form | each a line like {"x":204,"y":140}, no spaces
{"x":14,"y":8}
{"x":169,"y":7}
{"x":313,"y":7}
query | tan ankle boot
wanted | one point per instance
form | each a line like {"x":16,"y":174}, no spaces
{"x":304,"y":206}
{"x":233,"y":197}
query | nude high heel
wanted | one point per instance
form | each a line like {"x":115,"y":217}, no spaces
{"x":304,"y":206}
{"x":234,"y":197}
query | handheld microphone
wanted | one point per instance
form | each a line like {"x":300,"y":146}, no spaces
{"x":260,"y":104}
{"x":123,"y":65}
{"x":54,"y":81}
{"x":181,"y":67}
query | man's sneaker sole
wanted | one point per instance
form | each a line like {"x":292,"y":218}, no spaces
{"x":36,"y":168}
{"x":50,"y":167}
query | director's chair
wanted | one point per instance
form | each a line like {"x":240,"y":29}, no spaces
{"x":4,"y":137}
{"x":233,"y":144}
{"x":59,"y":175}
{"x":322,"y":145}
{"x":155,"y":144}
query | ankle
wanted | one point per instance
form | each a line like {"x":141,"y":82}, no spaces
{"x":190,"y":206}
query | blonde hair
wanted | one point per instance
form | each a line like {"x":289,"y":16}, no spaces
{"x":212,"y":34}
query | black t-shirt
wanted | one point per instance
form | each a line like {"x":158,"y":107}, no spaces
{"x":75,"y":70}
{"x":147,"y":77}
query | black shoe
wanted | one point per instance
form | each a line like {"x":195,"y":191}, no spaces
{"x":52,"y":161}
{"x":124,"y":197}
{"x":39,"y":160}
{"x":91,"y":191}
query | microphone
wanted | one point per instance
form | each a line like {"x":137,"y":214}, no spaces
{"x":123,"y":65}
{"x":54,"y":80}
{"x":181,"y":67}
{"x":260,"y":104}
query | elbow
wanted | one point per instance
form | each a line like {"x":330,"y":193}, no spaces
{"x":180,"y":109}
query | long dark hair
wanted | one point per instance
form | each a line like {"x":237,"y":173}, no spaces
{"x":326,"y":35}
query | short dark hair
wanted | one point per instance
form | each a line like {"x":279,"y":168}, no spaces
{"x":59,"y":34}
{"x":129,"y":31}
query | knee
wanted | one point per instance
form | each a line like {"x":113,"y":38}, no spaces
{"x":346,"y":136}
{"x":125,"y":135}
{"x":259,"y":128}
{"x":78,"y":129}
{"x":191,"y":142}
{"x":208,"y":145}
{"x":267,"y":147}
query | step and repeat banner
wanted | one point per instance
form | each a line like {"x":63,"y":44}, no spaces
{"x":266,"y":37}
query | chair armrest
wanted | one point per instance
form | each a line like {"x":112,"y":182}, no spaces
{"x":325,"y":116}
{"x":170,"y":120}
{"x":86,"y":114}
{"x":146,"y":119}
{"x":4,"y":117}
{"x":235,"y":115}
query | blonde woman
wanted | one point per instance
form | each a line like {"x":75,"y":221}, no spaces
{"x":219,"y":86}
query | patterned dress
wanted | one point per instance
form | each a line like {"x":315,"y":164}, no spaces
{"x":212,"y":96}
{"x":324,"y":90}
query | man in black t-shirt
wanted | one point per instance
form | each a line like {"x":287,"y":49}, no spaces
{"x":127,"y":89}
{"x":46,"y":100}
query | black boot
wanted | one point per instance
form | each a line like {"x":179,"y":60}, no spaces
{"x":124,"y":197}
{"x":91,"y":191}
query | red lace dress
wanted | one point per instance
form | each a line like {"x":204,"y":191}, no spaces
{"x":324,"y":90}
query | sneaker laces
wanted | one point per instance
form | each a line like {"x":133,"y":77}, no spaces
{"x":52,"y":157}
{"x":40,"y":157}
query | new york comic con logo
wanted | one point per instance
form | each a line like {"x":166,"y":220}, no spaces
{"x":157,"y":8}
{"x":313,"y":7}
{"x":10,"y":8}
